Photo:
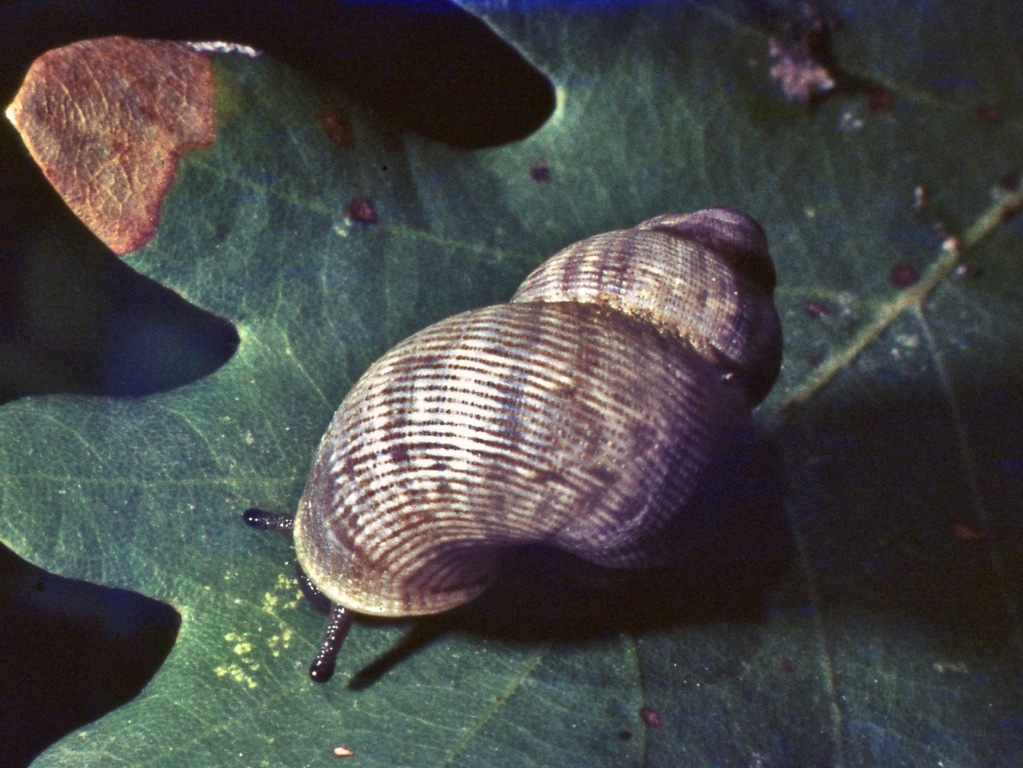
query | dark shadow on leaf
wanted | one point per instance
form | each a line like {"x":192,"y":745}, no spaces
{"x":896,"y":530}
{"x":70,"y":652}
{"x":900,"y":545}
{"x":73,"y":317}
{"x":548,"y":596}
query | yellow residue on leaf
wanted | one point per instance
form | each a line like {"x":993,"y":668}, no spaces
{"x":237,"y":674}
{"x":287,"y":584}
{"x":269,"y":603}
{"x":240,"y":669}
{"x":279,"y":642}
{"x":241,"y":643}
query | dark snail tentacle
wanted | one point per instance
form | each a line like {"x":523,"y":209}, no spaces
{"x":269,"y":521}
{"x":337,"y":629}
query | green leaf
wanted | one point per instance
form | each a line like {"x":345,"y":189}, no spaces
{"x":895,"y":637}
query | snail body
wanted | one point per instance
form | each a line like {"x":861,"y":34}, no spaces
{"x":580,"y":415}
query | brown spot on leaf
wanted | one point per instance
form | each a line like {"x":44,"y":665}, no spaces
{"x":107,"y":120}
{"x":361,"y":209}
{"x":879,"y":100}
{"x":337,"y":128}
{"x":966,"y":532}
{"x":989,"y":113}
{"x":919,"y":197}
{"x":1010,"y":181}
{"x":650,"y":717}
{"x":903,"y":275}
{"x":1008,"y":212}
{"x":540,"y":171}
{"x":816,"y":309}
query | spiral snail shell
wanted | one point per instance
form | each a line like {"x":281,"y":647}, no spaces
{"x":580,"y":415}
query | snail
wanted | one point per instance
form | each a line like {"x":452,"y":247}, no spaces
{"x":579,"y":415}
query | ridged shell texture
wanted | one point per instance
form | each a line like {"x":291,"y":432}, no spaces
{"x":579,"y":415}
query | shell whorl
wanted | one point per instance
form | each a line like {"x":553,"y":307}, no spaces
{"x":705,"y":276}
{"x":574,"y":416}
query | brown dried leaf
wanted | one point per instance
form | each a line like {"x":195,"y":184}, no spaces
{"x":107,"y":119}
